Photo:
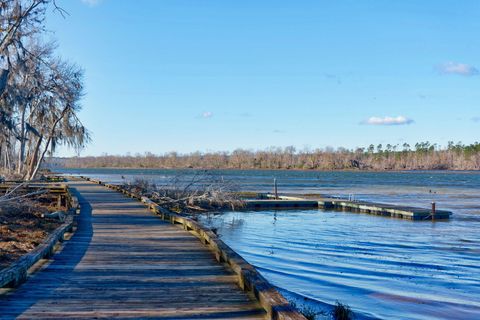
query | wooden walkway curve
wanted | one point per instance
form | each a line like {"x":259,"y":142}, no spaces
{"x":123,"y":262}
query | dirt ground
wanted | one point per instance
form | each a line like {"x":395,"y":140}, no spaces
{"x":22,"y":229}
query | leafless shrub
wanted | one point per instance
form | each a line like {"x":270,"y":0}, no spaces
{"x":191,"y":192}
{"x":142,"y":186}
{"x":342,"y":312}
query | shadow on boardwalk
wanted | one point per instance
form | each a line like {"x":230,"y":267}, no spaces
{"x":75,"y":249}
{"x":124,"y":262}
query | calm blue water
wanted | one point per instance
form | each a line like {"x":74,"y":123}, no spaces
{"x":381,"y":267}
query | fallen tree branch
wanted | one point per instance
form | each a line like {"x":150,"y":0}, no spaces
{"x":10,"y":191}
{"x":199,"y":191}
{"x":5,"y":199}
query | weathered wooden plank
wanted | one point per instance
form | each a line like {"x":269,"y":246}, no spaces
{"x":276,"y":306}
{"x":124,"y":262}
{"x":268,"y":201}
{"x":280,"y":204}
{"x":396,"y":211}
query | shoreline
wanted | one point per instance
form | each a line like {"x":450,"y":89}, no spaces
{"x":471,"y":171}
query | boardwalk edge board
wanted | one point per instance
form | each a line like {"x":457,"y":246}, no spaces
{"x":249,"y":279}
{"x":17,"y":273}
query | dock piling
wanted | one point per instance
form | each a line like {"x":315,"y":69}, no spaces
{"x":275,"y":188}
{"x":433,"y":210}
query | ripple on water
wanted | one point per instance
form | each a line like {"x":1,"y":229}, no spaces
{"x":381,"y":267}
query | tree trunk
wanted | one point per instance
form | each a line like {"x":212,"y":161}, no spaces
{"x":3,"y":80}
{"x":34,"y":158}
{"x":40,"y":160}
{"x":36,"y":166}
{"x":21,"y":151}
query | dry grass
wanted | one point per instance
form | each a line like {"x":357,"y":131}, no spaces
{"x":22,"y":229}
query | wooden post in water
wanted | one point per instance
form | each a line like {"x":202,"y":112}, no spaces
{"x":433,"y":210}
{"x":275,"y":188}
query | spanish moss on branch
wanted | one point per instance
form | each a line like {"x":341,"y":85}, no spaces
{"x":40,"y":93}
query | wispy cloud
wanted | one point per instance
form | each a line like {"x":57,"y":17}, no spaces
{"x":421,"y":95}
{"x":461,"y":69}
{"x":388,"y":121}
{"x":91,"y":3}
{"x":205,"y":115}
{"x":476,"y":119}
{"x":333,"y":77}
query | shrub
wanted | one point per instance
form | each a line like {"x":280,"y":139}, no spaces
{"x":342,"y":312}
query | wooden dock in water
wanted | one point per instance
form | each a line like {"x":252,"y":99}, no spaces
{"x":124,"y":262}
{"x":403,"y":212}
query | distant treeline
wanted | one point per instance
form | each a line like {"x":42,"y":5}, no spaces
{"x":421,"y":156}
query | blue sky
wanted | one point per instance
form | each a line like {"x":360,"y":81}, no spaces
{"x":207,"y":75}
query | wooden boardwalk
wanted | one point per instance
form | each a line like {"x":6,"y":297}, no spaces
{"x":123,"y":262}
{"x":396,"y":211}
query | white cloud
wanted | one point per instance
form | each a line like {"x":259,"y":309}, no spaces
{"x":206,"y":115}
{"x":388,"y":121}
{"x":458,"y":68}
{"x":91,"y":3}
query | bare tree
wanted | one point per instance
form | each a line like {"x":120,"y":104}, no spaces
{"x":456,"y":156}
{"x":40,"y":93}
{"x":19,"y":20}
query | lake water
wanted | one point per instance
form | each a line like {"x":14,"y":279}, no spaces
{"x":381,"y":267}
